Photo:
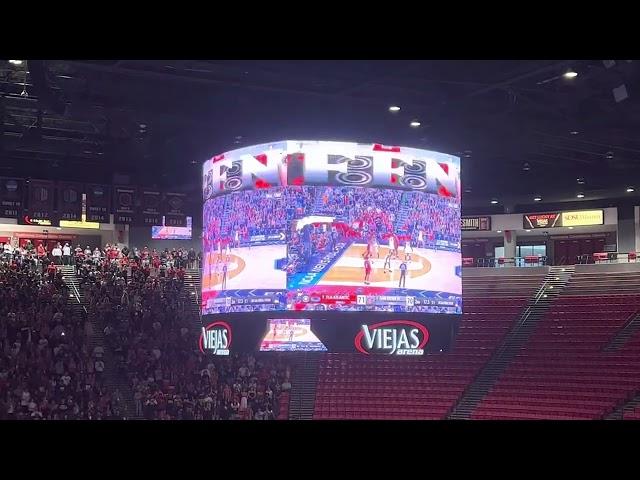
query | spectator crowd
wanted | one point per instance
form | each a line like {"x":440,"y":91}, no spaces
{"x":51,"y":366}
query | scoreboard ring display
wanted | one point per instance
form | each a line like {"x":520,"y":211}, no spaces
{"x":317,"y":229}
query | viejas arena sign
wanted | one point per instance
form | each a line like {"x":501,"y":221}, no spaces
{"x":294,"y":163}
{"x":215,"y":338}
{"x":393,"y":337}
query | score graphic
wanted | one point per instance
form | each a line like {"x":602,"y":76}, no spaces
{"x":305,"y":225}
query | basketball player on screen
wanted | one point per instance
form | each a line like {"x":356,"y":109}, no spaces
{"x":376,"y":247}
{"x":367,"y":270}
{"x":408,"y":250}
{"x":387,"y":261}
{"x":224,"y":273}
{"x":420,"y":242}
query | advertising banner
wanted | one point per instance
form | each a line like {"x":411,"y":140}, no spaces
{"x":479,"y":224}
{"x":541,"y":220}
{"x":582,"y":218}
{"x":578,"y":218}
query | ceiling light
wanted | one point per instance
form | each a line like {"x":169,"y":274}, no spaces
{"x":580,"y":180}
{"x":570,"y":74}
{"x":526,"y":167}
{"x":537,"y":198}
{"x":494,"y":201}
{"x":630,"y":189}
{"x":609,"y":155}
{"x":570,"y":228}
{"x":15,"y":62}
{"x":394,"y":108}
{"x":415,"y":124}
{"x":574,"y":132}
{"x":498,"y":231}
{"x":580,"y":195}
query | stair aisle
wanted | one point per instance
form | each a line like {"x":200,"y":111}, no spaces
{"x":552,"y":286}
{"x":303,"y":387}
{"x":112,"y":378}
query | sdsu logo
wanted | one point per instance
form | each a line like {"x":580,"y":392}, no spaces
{"x":215,"y":338}
{"x":394,"y":337}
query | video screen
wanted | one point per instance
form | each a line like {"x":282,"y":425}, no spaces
{"x":162,"y":232}
{"x":289,"y":238}
{"x":291,"y":335}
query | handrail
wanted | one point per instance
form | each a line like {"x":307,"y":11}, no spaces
{"x":77,"y":295}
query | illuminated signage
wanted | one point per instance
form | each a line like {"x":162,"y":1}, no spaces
{"x":579,"y":218}
{"x":482,"y":224}
{"x":295,"y":163}
{"x":81,"y":224}
{"x":215,"y":338}
{"x":582,"y":218}
{"x":541,"y":220}
{"x":27,"y":220}
{"x":393,"y":337}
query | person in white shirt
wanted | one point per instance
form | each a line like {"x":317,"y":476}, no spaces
{"x":66,"y":254}
{"x":57,"y":254}
{"x":8,"y":250}
{"x":392,"y":245}
{"x":408,"y":250}
{"x":96,"y":255}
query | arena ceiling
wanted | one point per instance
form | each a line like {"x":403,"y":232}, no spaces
{"x":522,"y":128}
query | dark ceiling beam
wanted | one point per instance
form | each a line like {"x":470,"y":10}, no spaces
{"x":379,"y":80}
{"x":524,"y":76}
{"x":179,"y":77}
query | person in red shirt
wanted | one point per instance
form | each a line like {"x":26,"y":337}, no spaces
{"x":367,"y":269}
{"x":181,"y":273}
{"x":51,"y":271}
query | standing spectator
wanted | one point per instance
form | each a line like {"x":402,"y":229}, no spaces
{"x":66,"y":254}
{"x":56,"y":253}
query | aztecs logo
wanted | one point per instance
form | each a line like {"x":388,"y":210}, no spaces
{"x":393,"y":337}
{"x":215,"y":338}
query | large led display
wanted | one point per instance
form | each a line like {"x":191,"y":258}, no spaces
{"x":316,"y":226}
{"x":291,"y":335}
{"x":163,"y":232}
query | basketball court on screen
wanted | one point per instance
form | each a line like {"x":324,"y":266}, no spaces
{"x":247,"y":268}
{"x":428,"y":270}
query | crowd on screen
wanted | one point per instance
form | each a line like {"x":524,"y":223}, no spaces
{"x":438,"y":218}
{"x":235,"y":218}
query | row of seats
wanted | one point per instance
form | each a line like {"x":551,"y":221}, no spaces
{"x":563,"y":371}
{"x":352,"y":386}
